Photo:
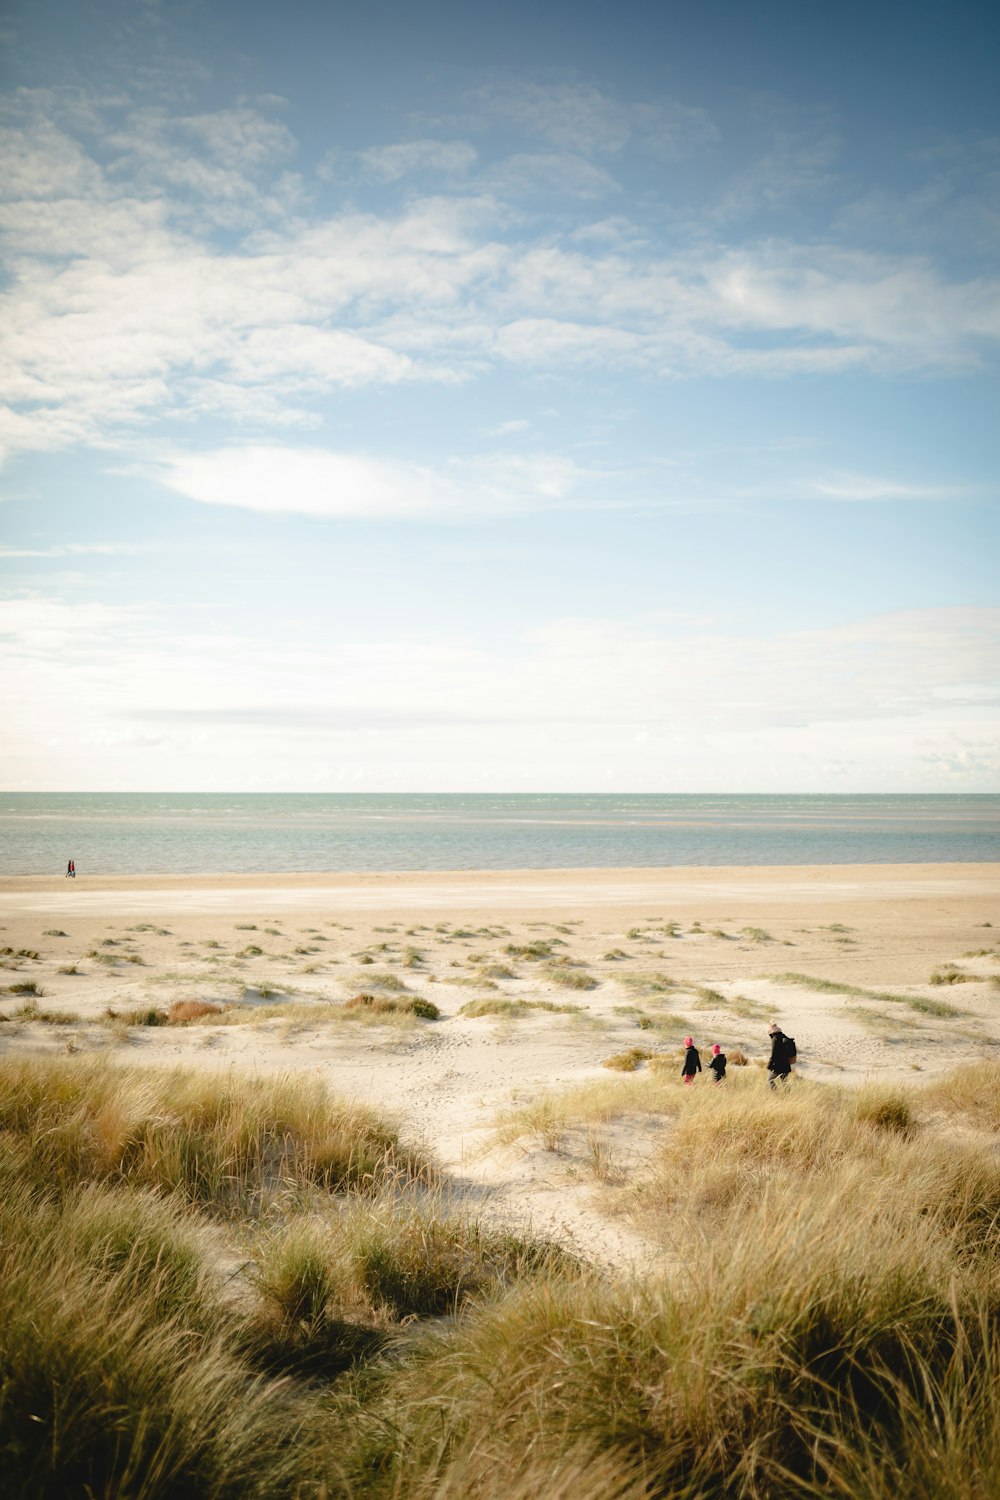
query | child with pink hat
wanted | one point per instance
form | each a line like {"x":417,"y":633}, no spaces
{"x":692,"y":1062}
{"x":718,"y":1064}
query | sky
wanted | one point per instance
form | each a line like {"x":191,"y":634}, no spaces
{"x":522,"y":397}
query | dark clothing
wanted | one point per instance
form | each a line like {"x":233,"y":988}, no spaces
{"x":718,"y":1066}
{"x":692,"y":1063}
{"x":780,"y":1061}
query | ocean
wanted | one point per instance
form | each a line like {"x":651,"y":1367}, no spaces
{"x":141,"y":833}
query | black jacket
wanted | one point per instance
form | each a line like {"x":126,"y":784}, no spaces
{"x":692,"y":1062}
{"x":718,"y":1066}
{"x":780,"y":1060}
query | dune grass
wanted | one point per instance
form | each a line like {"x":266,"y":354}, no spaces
{"x":216,"y":1139}
{"x":629,"y":1061}
{"x":827,"y":1323}
{"x":513,"y":1010}
{"x":921,"y":1003}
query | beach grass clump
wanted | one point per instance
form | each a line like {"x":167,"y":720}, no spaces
{"x":22,"y":987}
{"x":382,"y":980}
{"x":950,"y":974}
{"x":330,"y":1285}
{"x":30,"y":1010}
{"x":512,"y":1010}
{"x":393,"y":1005}
{"x":628,"y":1061}
{"x":649,"y":984}
{"x":209,"y":1138}
{"x":538,"y":948}
{"x":55,"y":932}
{"x":113,"y":1385}
{"x":141,"y":1015}
{"x":569,"y":977}
{"x":750,"y":1010}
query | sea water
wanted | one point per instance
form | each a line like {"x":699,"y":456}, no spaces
{"x":140,"y":833}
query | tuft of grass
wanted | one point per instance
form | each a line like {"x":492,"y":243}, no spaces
{"x":54,"y":932}
{"x":31,"y":1011}
{"x":389,"y":1005}
{"x":756,"y":934}
{"x":650,"y":984}
{"x":949,"y":974}
{"x":139,"y":1016}
{"x":22,"y":987}
{"x":513,"y":1009}
{"x":627,"y":1062}
{"x":569,"y":978}
{"x":538,"y":948}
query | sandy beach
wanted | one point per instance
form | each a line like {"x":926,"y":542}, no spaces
{"x":878,"y":971}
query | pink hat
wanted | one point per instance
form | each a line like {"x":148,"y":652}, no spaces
{"x":688,"y":1042}
{"x":716,"y":1049}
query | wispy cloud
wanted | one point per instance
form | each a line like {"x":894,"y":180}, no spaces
{"x":580,"y":118}
{"x":405,"y":158}
{"x":77,"y":549}
{"x":124,"y":307}
{"x":318,"y":482}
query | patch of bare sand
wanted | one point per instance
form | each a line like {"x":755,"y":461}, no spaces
{"x":643,"y":956}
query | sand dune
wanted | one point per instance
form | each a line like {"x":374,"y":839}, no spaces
{"x":619,"y":957}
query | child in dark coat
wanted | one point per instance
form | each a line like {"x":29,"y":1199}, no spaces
{"x":718,"y":1064}
{"x":692,"y":1062}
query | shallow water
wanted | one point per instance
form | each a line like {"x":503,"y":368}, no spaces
{"x":140,"y":833}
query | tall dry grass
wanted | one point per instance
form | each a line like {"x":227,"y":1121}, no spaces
{"x":218,"y":1139}
{"x":828,"y":1323}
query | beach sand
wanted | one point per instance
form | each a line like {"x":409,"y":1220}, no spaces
{"x":642,"y":956}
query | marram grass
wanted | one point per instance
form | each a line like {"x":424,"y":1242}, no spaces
{"x":827,"y":1323}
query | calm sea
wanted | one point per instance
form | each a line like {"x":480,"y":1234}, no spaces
{"x":145,"y":834}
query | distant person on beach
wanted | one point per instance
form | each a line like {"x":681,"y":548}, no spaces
{"x":718,"y":1064}
{"x":783,"y":1054}
{"x":71,"y":870}
{"x":692,"y":1062}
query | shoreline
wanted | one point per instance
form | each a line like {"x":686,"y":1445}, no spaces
{"x":508,"y":890}
{"x":332,"y":879}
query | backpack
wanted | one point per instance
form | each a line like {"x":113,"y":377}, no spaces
{"x":790,"y":1051}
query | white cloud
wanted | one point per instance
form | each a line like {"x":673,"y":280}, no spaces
{"x":845,"y":486}
{"x":123,"y":306}
{"x":580,"y":118}
{"x":907,"y":699}
{"x":391,"y":163}
{"x":76,"y":549}
{"x":559,"y":173}
{"x":317,"y":482}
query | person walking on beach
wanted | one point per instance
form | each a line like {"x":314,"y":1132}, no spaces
{"x":692,"y":1062}
{"x":783,"y":1054}
{"x":718,"y":1064}
{"x":71,"y":870}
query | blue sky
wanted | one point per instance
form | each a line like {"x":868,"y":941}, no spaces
{"x":465,"y":397}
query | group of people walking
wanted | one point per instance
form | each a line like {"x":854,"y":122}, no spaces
{"x":779,"y":1066}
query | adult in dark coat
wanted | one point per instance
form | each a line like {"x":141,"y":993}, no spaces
{"x":782,"y":1053}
